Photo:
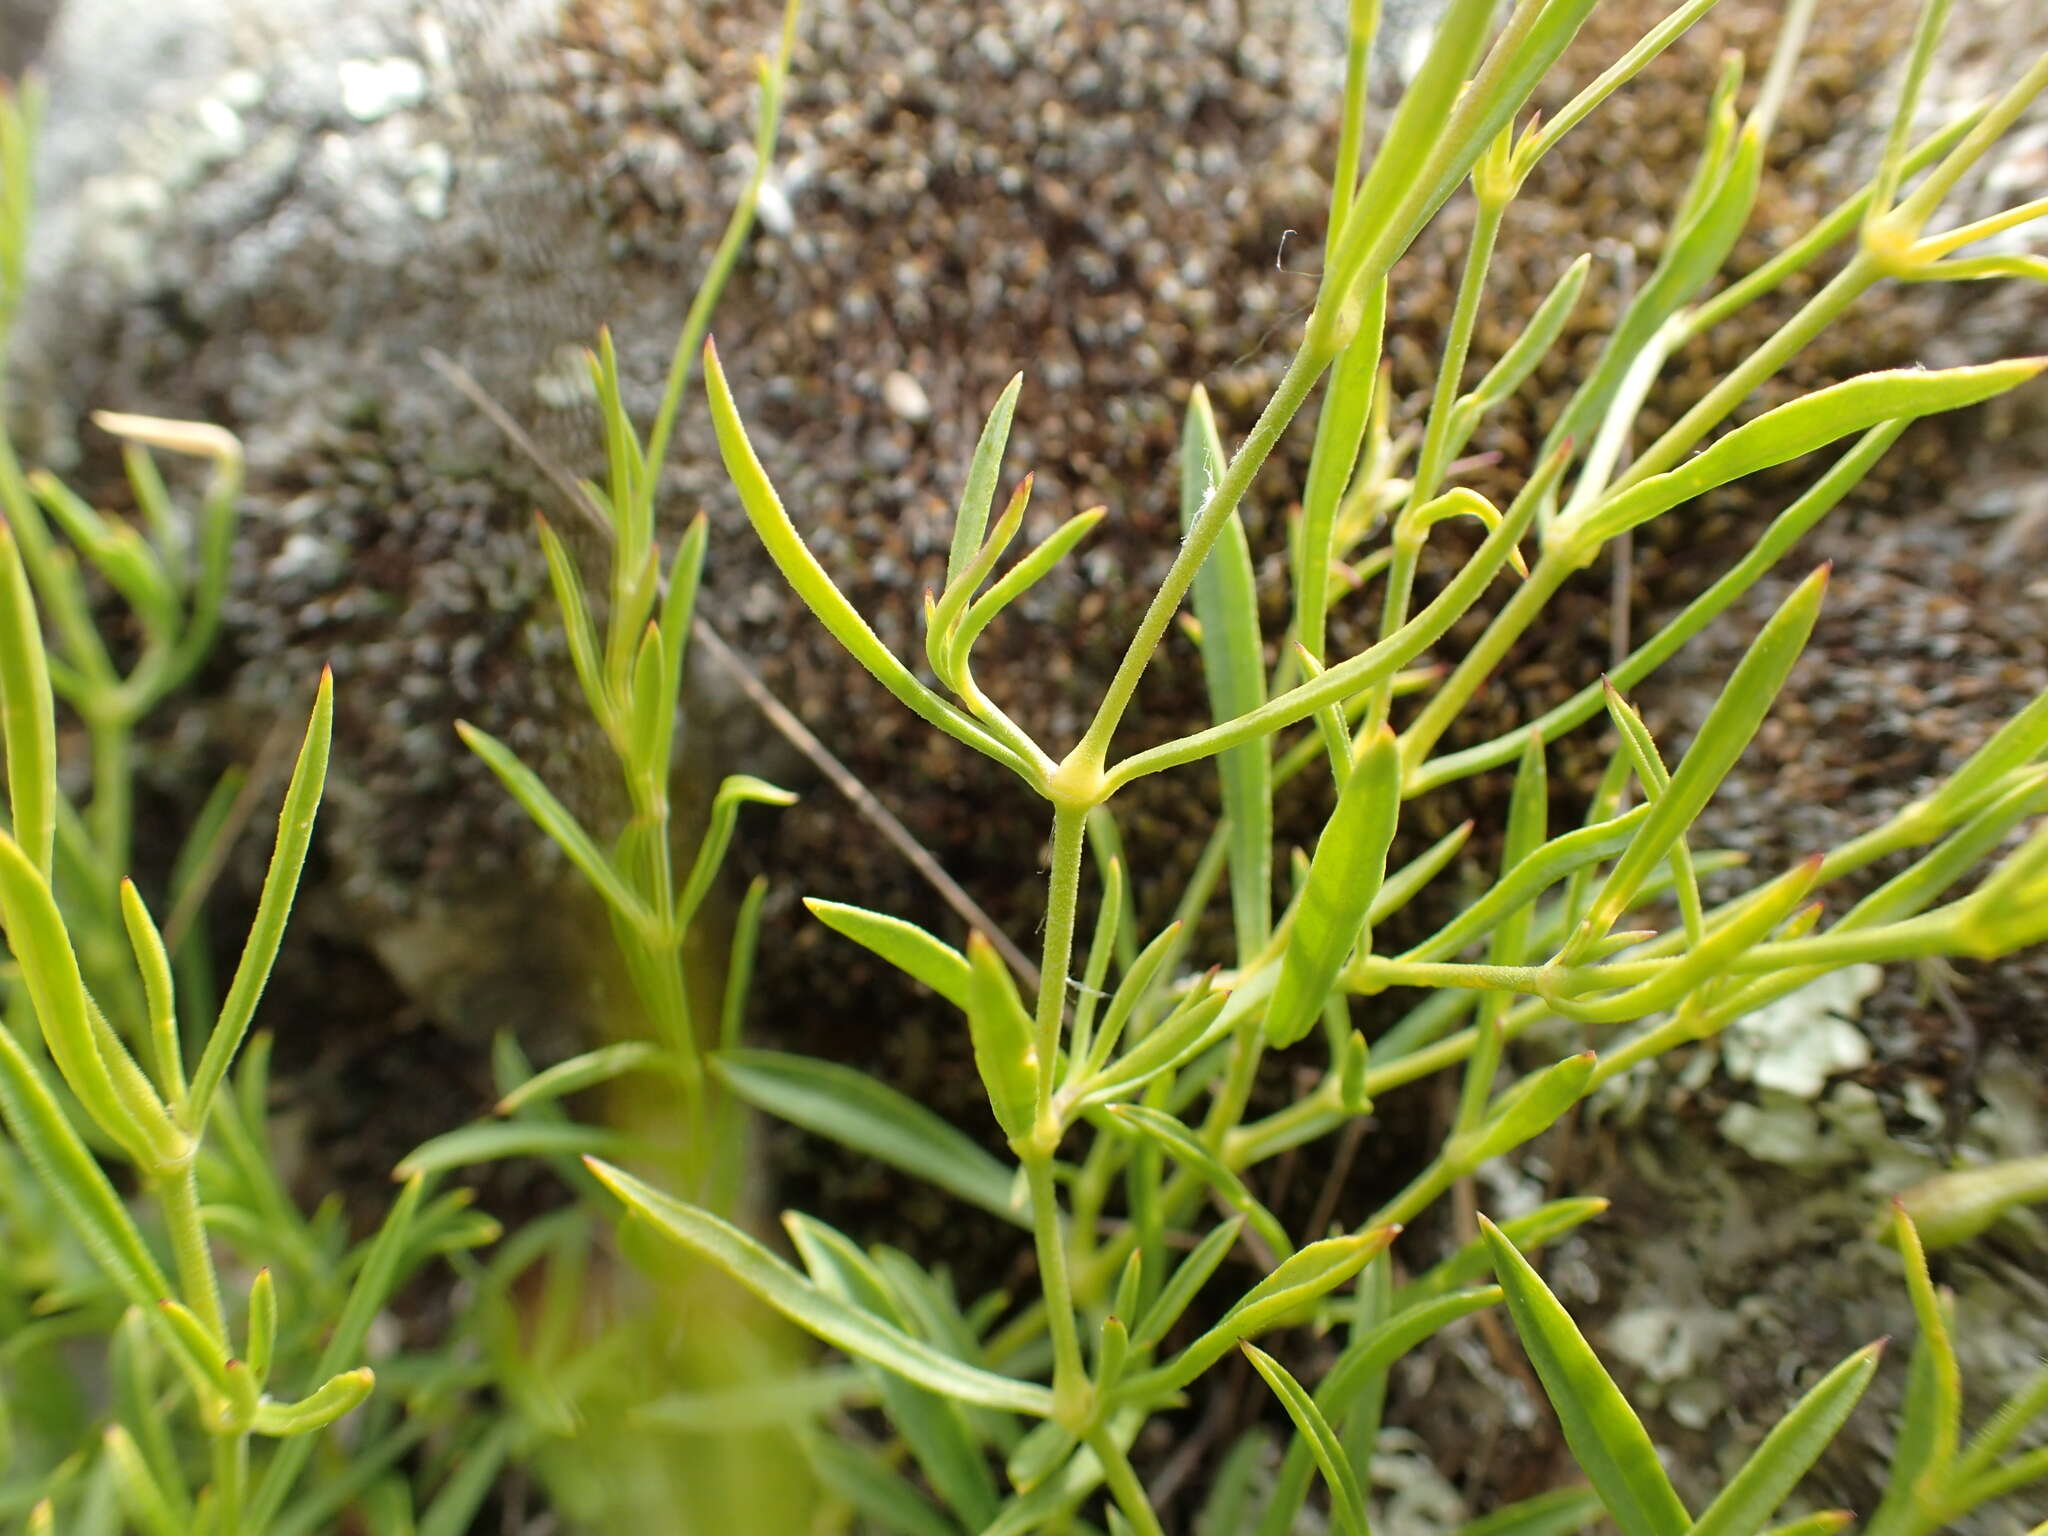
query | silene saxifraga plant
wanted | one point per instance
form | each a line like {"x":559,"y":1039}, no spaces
{"x":1121,"y":1074}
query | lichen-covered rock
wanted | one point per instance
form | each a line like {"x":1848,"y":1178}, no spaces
{"x":268,"y":222}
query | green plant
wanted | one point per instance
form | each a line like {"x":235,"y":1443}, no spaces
{"x":1137,"y":1092}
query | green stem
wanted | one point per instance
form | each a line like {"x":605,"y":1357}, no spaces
{"x":1069,"y":1371}
{"x":179,"y":1194}
{"x":1295,"y":384}
{"x":1123,"y":1483}
{"x":112,"y":799}
{"x":230,"y":1479}
{"x":1062,"y":902}
{"x":1532,"y":597}
{"x":1434,"y":457}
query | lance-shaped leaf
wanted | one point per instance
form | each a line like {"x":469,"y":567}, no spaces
{"x":810,"y":582}
{"x":589,"y":1070}
{"x":333,"y":1398}
{"x":1745,"y":700}
{"x":1001,"y":1030}
{"x":553,"y":818}
{"x":1796,"y":428}
{"x":27,"y":713}
{"x":1226,"y":603}
{"x":577,"y":627}
{"x":860,"y":1111}
{"x":734,"y":791}
{"x":1528,"y":1233}
{"x":838,"y":1324}
{"x":262,"y":1328}
{"x":1330,"y":920}
{"x":1345,"y":1498}
{"x":943,"y":614}
{"x":970,"y":521}
{"x":1522,"y":357}
{"x":1524,"y":1112}
{"x":904,"y":945}
{"x":931,"y":1425}
{"x":865,"y":1482}
{"x":494,"y":1140}
{"x":1952,"y":1208}
{"x":1185,"y":1283}
{"x":142,"y":1496}
{"x":280,"y":886}
{"x":1289,"y":1292}
{"x":1187,"y":1148}
{"x":94,"y":1063}
{"x":1363,"y":1365}
{"x":1753,"y":1495}
{"x":1133,"y":990}
{"x":1198,"y":1021}
{"x":1607,"y":1439}
{"x":1020,"y":578}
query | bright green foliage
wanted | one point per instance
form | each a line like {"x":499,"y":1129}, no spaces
{"x":1120,"y":1078}
{"x":1125,"y":1083}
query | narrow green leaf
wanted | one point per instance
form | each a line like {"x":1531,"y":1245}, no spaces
{"x":1731,"y":722}
{"x":27,"y":712}
{"x":932,"y":1426}
{"x":1944,"y":1418}
{"x":1020,"y":578}
{"x":577,"y":627}
{"x":1343,"y":878}
{"x":876,"y":1493}
{"x":1753,"y":1495}
{"x":494,"y":1140}
{"x":1001,"y":1030}
{"x":280,"y":885}
{"x":1186,"y":1282}
{"x":580,"y":1072}
{"x":1528,"y":1233}
{"x":1526,"y":352}
{"x":1184,"y":1146}
{"x":153,"y":965}
{"x":141,"y":1495}
{"x":818,"y":591}
{"x":977,"y":496}
{"x":860,"y":1111}
{"x":1952,"y":1208}
{"x":1345,"y":1499}
{"x":1523,"y":1113}
{"x":733,"y":791}
{"x":839,"y":1325}
{"x":904,"y":945}
{"x":739,"y":968}
{"x":1563,"y":1512}
{"x":49,"y":967}
{"x":943,"y":614}
{"x":1407,"y":882}
{"x":1226,"y":602}
{"x":262,"y":1327}
{"x":1198,"y":1022}
{"x":553,"y":818}
{"x":1131,"y":992}
{"x":1812,"y":421}
{"x":1289,"y":1292}
{"x":1606,"y":1438}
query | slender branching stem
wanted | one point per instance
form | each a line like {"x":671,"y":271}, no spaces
{"x":1295,"y":384}
{"x":1123,"y":1483}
